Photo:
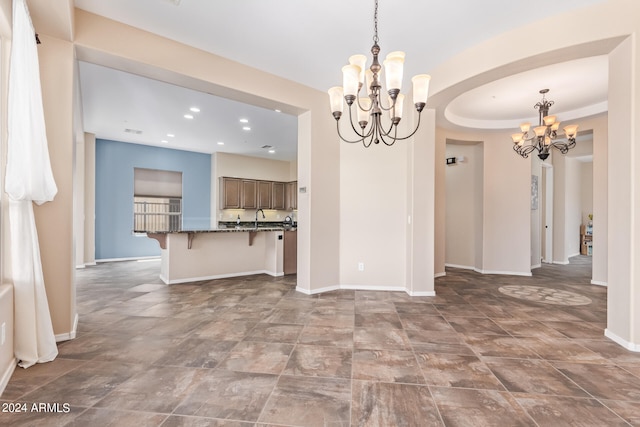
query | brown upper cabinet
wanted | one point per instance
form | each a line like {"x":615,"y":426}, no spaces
{"x":264,"y":194}
{"x":291,"y":196}
{"x":249,"y":194}
{"x":231,"y":193}
{"x":240,"y":193}
{"x":278,"y":195}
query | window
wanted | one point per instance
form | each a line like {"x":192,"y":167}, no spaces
{"x":156,"y":214}
{"x":157,"y":200}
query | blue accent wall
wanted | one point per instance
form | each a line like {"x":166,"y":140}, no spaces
{"x":115,"y":162}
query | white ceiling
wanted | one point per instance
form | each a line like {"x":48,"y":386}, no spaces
{"x":308,"y":42}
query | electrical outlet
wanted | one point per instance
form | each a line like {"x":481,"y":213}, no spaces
{"x":3,"y":338}
{"x":361,"y":266}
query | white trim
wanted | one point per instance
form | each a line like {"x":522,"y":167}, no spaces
{"x":70,"y":335}
{"x":533,"y":267}
{"x":6,"y":376}
{"x":86,"y":264}
{"x":561,"y":262}
{"x":444,"y":273}
{"x":124,"y":259}
{"x":422,"y":293}
{"x":599,"y":283}
{"x":374,"y":288}
{"x":624,"y":343}
{"x":464,"y":267}
{"x":317,"y":291}
{"x":508,"y":273}
{"x":218,"y":276}
{"x":366,"y":288}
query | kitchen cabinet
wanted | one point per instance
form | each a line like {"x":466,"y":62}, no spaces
{"x":242,"y":193}
{"x":264,"y":194}
{"x":249,"y":194}
{"x":291,"y":196}
{"x":238,"y":193}
{"x":231,"y":193}
{"x":290,"y":252}
{"x":278,"y":195}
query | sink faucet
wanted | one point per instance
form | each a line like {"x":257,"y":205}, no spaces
{"x":263,"y":217}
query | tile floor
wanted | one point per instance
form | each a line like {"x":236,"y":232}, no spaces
{"x":254,"y":352}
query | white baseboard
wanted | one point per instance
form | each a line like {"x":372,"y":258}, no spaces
{"x":561,"y":262}
{"x":507,"y":273}
{"x":366,"y":288}
{"x":463,"y":267}
{"x":218,"y":276}
{"x":6,"y":375}
{"x":317,"y":291}
{"x":136,"y":258}
{"x":599,"y":283}
{"x":422,"y":293}
{"x":444,"y":273}
{"x":624,"y":343}
{"x":536,"y":266}
{"x":69,"y":335}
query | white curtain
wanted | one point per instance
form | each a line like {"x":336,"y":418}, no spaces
{"x":29,"y":179}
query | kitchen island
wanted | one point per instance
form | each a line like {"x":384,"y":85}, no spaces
{"x":194,"y":255}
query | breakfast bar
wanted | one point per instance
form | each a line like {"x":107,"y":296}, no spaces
{"x":194,"y":255}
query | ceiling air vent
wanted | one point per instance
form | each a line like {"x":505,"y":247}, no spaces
{"x":266,"y":147}
{"x":134,"y":131}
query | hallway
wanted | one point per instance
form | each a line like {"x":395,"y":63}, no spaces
{"x":487,"y":350}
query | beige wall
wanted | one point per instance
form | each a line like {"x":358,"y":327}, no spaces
{"x":464,"y":189}
{"x":55,"y":219}
{"x":586,"y":191}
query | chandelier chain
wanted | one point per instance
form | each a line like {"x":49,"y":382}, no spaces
{"x":375,"y":24}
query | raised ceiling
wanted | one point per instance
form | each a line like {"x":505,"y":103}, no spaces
{"x":308,"y":42}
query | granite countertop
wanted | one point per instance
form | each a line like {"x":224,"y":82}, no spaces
{"x":234,"y":229}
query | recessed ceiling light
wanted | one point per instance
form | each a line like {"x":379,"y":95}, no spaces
{"x":244,"y":121}
{"x":194,"y":109}
{"x":164,"y":141}
{"x":188,"y":116}
{"x":246,"y":128}
{"x":170,"y":135}
{"x":277,"y":111}
{"x":220,"y":143}
{"x":272,"y":151}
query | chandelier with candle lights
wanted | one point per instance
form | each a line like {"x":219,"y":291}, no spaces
{"x":544,"y":135}
{"x":370,"y":126}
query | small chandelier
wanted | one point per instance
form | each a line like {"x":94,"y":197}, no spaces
{"x":544,"y":135}
{"x":370,"y":108}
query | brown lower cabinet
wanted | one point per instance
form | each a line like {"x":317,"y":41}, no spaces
{"x":290,"y":250}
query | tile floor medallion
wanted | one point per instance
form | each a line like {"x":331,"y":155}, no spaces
{"x":544,"y":295}
{"x":486,"y":351}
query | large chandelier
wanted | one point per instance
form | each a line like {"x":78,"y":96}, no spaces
{"x":544,"y":135}
{"x":369,"y":127}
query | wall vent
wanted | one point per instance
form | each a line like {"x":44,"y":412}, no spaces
{"x":134,"y":131}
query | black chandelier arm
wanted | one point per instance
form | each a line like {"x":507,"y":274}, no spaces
{"x":525,"y":150}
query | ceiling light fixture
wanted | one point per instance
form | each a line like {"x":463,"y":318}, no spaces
{"x":544,"y":135}
{"x":244,"y":121}
{"x":246,"y":128}
{"x":188,"y":116}
{"x":369,"y":109}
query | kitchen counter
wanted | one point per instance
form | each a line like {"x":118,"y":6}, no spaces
{"x":195,"y":255}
